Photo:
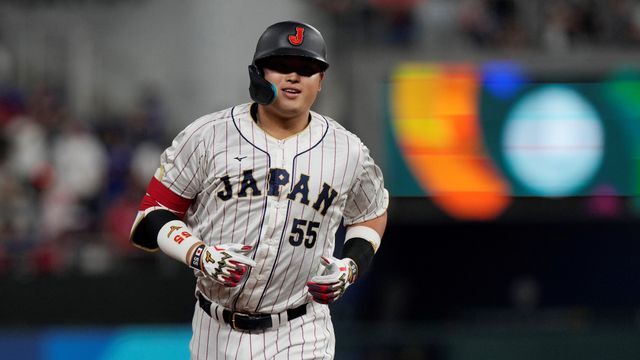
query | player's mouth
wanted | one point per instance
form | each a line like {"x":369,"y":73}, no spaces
{"x":290,"y":93}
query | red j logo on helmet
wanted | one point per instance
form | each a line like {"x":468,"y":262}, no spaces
{"x":298,"y":37}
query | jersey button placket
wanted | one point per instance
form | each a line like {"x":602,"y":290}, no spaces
{"x":283,"y":201}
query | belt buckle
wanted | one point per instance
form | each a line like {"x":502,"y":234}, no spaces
{"x":233,"y":319}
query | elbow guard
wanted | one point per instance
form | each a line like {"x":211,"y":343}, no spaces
{"x":161,"y":228}
{"x":145,"y":233}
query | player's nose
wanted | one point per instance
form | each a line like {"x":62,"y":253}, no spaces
{"x":293,"y":77}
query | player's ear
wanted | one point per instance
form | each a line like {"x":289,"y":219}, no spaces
{"x":320,"y":83}
{"x":261,"y":91}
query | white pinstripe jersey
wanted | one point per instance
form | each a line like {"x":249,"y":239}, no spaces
{"x":284,"y":197}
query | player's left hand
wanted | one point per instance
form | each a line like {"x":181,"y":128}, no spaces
{"x":334,"y":281}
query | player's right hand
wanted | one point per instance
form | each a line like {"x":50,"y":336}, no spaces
{"x":226,"y":263}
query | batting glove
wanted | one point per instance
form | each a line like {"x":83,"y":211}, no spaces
{"x":226,"y":263}
{"x":334,"y":281}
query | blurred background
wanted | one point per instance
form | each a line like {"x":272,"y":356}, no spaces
{"x":508,"y":132}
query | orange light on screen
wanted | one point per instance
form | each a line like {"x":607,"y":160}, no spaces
{"x":435,"y":119}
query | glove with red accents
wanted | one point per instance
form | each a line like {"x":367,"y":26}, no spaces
{"x":334,"y":281}
{"x":226,"y":263}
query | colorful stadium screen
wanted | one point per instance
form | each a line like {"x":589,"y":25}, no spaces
{"x":475,"y":137}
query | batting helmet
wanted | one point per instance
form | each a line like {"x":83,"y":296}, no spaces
{"x":287,"y":38}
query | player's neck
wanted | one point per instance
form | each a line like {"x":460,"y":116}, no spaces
{"x":278,"y":126}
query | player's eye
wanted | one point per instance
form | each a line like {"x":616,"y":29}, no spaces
{"x":286,"y":65}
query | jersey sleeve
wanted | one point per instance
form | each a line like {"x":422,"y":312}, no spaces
{"x":368,"y":198}
{"x":181,"y":167}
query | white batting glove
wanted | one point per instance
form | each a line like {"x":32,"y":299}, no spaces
{"x":226,"y":263}
{"x":334,"y":281}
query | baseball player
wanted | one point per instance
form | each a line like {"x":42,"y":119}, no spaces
{"x":251,"y":198}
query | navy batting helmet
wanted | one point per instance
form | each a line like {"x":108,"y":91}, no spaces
{"x":287,"y":38}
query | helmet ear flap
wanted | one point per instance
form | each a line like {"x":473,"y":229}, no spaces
{"x":262,"y":91}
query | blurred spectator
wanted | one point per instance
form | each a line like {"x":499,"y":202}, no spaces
{"x":45,"y":106}
{"x":619,"y":21}
{"x":11,"y":104}
{"x":62,"y":183}
{"x":119,"y":151}
{"x":508,"y":26}
{"x":145,"y":126}
{"x":79,"y":161}
{"x":557,"y":25}
{"x":400,"y":19}
{"x":438,"y":23}
{"x":147,"y":122}
{"x":568,"y":24}
{"x":60,"y":213}
{"x":47,"y":258}
{"x":622,"y":23}
{"x":121,"y":212}
{"x":117,"y":221}
{"x":635,"y":22}
{"x":145,"y":162}
{"x":493,"y":23}
{"x":475,"y":21}
{"x":28,"y":148}
{"x":24,"y":158}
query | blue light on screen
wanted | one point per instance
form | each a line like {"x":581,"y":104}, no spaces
{"x":503,"y":78}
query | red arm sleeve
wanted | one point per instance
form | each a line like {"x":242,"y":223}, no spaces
{"x":159,"y":195}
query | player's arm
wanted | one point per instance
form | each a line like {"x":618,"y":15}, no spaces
{"x":159,"y":224}
{"x":365,"y":215}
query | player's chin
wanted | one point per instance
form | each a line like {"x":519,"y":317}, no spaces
{"x":293,"y":106}
{"x":289,"y":108}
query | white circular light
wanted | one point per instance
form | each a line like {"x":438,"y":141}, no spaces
{"x":553,"y":141}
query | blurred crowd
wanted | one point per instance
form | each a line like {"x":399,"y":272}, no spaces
{"x":549,"y":25}
{"x":70,"y":187}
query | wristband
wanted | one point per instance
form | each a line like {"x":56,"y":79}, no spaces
{"x":366,"y":233}
{"x":196,"y":256}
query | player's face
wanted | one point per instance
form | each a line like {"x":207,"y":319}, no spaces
{"x":298,"y":81}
